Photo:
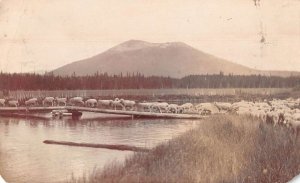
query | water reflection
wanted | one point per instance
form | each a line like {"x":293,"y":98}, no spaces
{"x":24,"y":158}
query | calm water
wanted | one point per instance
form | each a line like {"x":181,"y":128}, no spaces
{"x":25,"y":158}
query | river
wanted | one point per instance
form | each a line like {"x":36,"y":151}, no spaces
{"x":25,"y":158}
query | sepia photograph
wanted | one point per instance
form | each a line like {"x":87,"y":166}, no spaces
{"x":149,"y":91}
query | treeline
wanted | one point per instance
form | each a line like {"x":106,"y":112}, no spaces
{"x":139,"y":81}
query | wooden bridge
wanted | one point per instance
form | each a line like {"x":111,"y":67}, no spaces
{"x":28,"y":112}
{"x":135,"y":114}
{"x":30,"y":109}
{"x":75,"y":110}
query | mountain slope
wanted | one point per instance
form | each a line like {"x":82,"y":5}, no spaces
{"x":174,"y":59}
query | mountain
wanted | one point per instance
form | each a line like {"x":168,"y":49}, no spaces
{"x":174,"y":59}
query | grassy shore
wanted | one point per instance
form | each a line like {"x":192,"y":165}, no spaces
{"x":223,"y":149}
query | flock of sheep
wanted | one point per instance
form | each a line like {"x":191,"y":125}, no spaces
{"x":111,"y":104}
{"x":277,"y":112}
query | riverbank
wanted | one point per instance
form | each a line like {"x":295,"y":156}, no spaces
{"x":223,"y":149}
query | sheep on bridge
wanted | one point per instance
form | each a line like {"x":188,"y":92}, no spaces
{"x":2,"y":102}
{"x":159,"y":107}
{"x":117,"y":103}
{"x":31,"y":102}
{"x":128,"y":104}
{"x":186,"y":108}
{"x":48,"y":100}
{"x":13,"y":103}
{"x":172,"y":108}
{"x":60,"y":101}
{"x":104,"y":103}
{"x":91,"y":102}
{"x":76,"y":101}
{"x":144,"y":106}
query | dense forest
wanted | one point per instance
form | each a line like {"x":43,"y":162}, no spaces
{"x":138,"y":81}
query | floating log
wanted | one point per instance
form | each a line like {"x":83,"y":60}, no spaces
{"x":105,"y":146}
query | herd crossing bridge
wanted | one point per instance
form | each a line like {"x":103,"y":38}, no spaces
{"x":76,"y":111}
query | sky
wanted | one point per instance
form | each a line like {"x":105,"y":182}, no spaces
{"x":38,"y":35}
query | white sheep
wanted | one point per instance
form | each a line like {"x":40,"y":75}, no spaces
{"x":223,"y":106}
{"x":49,"y":100}
{"x":145,"y":106}
{"x":2,"y":102}
{"x":172,"y":108}
{"x":187,"y":107}
{"x":117,"y":103}
{"x":128,"y":103}
{"x":91,"y":102}
{"x":295,"y":126}
{"x":104,"y":103}
{"x":61,"y":101}
{"x":159,"y":106}
{"x":207,"y":108}
{"x":76,"y":101}
{"x":30,"y":102}
{"x":13,"y":103}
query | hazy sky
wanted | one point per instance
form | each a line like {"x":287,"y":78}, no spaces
{"x":46,"y":34}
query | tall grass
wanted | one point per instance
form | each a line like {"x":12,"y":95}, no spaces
{"x":222,"y":149}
